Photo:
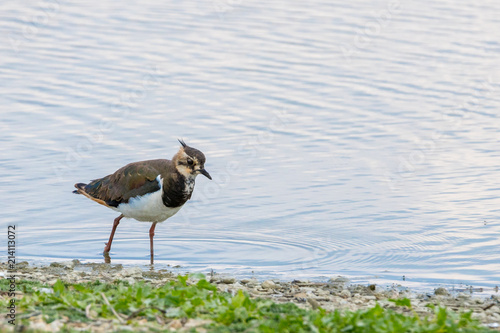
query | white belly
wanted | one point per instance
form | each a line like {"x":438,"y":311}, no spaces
{"x":148,"y":208}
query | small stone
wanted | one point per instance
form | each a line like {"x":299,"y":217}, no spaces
{"x":345,"y":294}
{"x":441,"y":292}
{"x":132,"y":272}
{"x":300,"y":295}
{"x":493,"y":309}
{"x":175,"y":324}
{"x":22,"y":264}
{"x":58,"y":264}
{"x":252,"y":283}
{"x":195,"y":323}
{"x":370,"y":298}
{"x":479,"y":315}
{"x":478,"y":300}
{"x":130,"y":280}
{"x":227,"y":280}
{"x":313,"y":303}
{"x":68,"y":264}
{"x":268,"y":284}
{"x":245,"y":281}
{"x":56,"y":325}
{"x":339,"y":280}
{"x":372,"y":287}
{"x":46,"y":290}
{"x":322,"y":292}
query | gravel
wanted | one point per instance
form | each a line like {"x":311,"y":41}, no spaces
{"x":337,"y":293}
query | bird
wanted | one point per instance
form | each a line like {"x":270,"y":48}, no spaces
{"x":148,"y":191}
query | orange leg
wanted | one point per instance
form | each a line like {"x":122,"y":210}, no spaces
{"x":107,"y":248}
{"x":151,"y":235}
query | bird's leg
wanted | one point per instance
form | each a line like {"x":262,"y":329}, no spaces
{"x":107,"y":248}
{"x":151,"y":235}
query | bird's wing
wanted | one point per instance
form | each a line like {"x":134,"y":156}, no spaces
{"x":134,"y":179}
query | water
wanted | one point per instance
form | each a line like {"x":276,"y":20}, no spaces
{"x":356,"y":139}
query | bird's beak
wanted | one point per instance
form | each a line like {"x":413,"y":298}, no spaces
{"x":205,"y":173}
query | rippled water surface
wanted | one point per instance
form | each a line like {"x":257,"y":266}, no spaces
{"x":356,"y":138}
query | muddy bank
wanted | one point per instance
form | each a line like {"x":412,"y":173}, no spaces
{"x":337,"y":293}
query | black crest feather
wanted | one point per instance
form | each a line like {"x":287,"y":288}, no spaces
{"x":182,"y":143}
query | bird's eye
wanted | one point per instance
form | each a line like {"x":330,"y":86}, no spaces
{"x":190,"y":161}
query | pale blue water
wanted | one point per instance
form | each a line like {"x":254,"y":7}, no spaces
{"x":357,"y":139}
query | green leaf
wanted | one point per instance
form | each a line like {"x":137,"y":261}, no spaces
{"x":58,"y":287}
{"x":197,"y":276}
{"x":241,"y":314}
{"x":80,"y":288}
{"x":401,"y":302}
{"x":183,"y":279}
{"x":204,"y":284}
{"x":238,"y":299}
{"x":138,"y":294}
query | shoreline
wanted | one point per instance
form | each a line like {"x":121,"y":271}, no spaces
{"x":416,"y":284}
{"x":336,"y":294}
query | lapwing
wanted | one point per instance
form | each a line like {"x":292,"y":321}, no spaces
{"x":148,"y":191}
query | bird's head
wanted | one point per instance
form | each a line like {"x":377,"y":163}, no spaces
{"x":190,"y":162}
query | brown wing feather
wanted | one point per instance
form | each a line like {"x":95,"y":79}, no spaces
{"x":134,"y":179}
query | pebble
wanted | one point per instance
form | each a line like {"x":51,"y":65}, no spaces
{"x":131,"y":272}
{"x":479,"y":315}
{"x":313,"y":303}
{"x":22,"y":264}
{"x":493,"y":309}
{"x":175,"y":324}
{"x":495,"y":316}
{"x":245,"y":281}
{"x":338,"y":294}
{"x":252,"y":283}
{"x":268,"y":284}
{"x":339,"y":280}
{"x":195,"y":323}
{"x":441,"y":291}
{"x":46,"y":290}
{"x":477,"y":300}
{"x":228,"y":280}
{"x":300,"y":295}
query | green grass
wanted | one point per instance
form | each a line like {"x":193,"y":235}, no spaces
{"x":89,"y":302}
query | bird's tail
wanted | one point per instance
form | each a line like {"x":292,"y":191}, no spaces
{"x":80,"y":189}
